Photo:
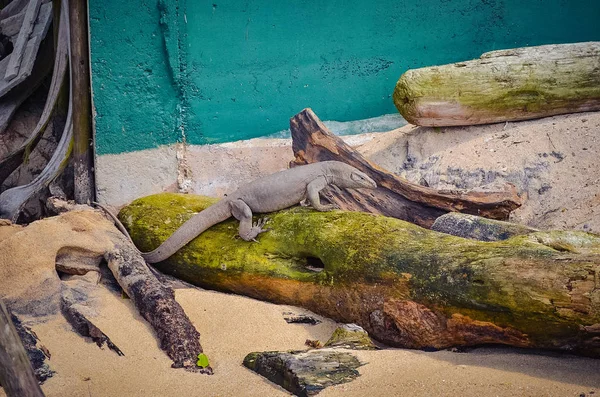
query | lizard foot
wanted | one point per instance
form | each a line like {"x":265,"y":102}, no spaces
{"x":257,"y":228}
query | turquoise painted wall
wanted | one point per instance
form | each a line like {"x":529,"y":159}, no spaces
{"x":218,"y":71}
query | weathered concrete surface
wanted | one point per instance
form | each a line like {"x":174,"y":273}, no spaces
{"x":211,"y":72}
{"x":121,"y":178}
{"x":211,"y":170}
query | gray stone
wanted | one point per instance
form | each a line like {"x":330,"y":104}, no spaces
{"x":305,"y":373}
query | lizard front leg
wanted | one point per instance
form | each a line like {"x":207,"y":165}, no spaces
{"x":312,"y":194}
{"x":243,"y":213}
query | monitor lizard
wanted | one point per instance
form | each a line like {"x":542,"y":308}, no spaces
{"x":270,"y":193}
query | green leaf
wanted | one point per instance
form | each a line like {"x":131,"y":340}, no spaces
{"x":202,"y":361}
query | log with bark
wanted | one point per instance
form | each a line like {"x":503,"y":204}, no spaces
{"x":395,"y":196}
{"x":506,"y":85}
{"x":16,"y":375}
{"x":76,"y":242}
{"x":406,"y":285}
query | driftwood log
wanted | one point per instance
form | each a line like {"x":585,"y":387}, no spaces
{"x":16,"y":374}
{"x":406,"y":285}
{"x":517,"y":84}
{"x":76,"y":242}
{"x":13,"y":200}
{"x":13,"y":160}
{"x":395,"y":196}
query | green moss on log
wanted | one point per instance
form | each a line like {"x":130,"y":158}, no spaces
{"x":542,"y":286}
{"x":502,"y":86}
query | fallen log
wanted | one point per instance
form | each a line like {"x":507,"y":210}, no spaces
{"x":506,"y":85}
{"x":76,"y":242}
{"x":16,"y":374}
{"x":407,"y":286}
{"x":395,"y":196}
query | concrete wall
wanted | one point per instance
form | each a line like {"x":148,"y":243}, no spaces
{"x":219,"y":71}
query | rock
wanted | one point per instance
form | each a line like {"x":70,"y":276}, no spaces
{"x":351,"y":336}
{"x":292,"y":318}
{"x":478,"y":228}
{"x":544,"y":159}
{"x":305,"y":373}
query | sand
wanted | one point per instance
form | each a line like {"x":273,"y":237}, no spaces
{"x":232,"y":326}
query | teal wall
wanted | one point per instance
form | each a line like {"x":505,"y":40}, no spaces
{"x":218,"y":71}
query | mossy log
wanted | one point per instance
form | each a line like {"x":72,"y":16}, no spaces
{"x":507,"y":85}
{"x":406,"y":285}
{"x":396,"y":197}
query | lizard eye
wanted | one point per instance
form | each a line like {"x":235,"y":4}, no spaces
{"x":356,"y":177}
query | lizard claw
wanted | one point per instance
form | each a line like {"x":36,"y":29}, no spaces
{"x":257,"y":228}
{"x":260,"y":223}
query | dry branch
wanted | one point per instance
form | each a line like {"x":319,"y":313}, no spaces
{"x":29,"y":51}
{"x":156,"y":303}
{"x":14,"y":63}
{"x":18,"y":156}
{"x":395,"y":197}
{"x":13,"y":200}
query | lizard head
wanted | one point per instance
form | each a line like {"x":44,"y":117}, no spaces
{"x":346,"y":176}
{"x":360,"y":179}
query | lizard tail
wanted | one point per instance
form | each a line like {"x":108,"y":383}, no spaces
{"x":212,"y":215}
{"x":116,"y":220}
{"x":193,"y":227}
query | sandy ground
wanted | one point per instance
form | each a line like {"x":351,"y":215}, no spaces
{"x":232,"y":326}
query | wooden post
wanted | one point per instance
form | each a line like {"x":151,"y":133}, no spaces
{"x":16,"y":374}
{"x":80,"y":73}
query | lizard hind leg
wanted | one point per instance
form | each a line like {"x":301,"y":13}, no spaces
{"x":247,"y":230}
